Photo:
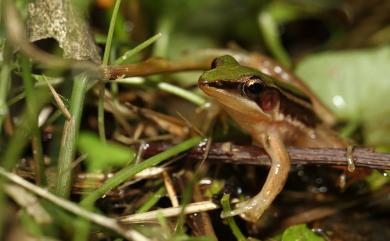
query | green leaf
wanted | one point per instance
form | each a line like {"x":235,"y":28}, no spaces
{"x":300,"y":233}
{"x":101,"y":156}
{"x":355,"y":85}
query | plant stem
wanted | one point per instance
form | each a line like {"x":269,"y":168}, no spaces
{"x":152,"y":200}
{"x":17,"y":143}
{"x":5,"y":70}
{"x":20,"y":138}
{"x":187,"y":197}
{"x":154,"y":66}
{"x":269,"y":28}
{"x":110,"y":34}
{"x":4,"y":84}
{"x":232,"y":224}
{"x":69,"y":136}
{"x":36,"y":134}
{"x":164,"y":26}
{"x":138,"y":48}
{"x":83,"y":225}
{"x":106,"y":57}
{"x":101,"y":127}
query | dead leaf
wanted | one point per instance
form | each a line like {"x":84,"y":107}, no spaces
{"x":59,"y":19}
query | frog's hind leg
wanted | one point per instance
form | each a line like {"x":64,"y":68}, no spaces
{"x":252,"y":209}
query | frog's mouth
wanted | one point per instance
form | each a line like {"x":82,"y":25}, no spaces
{"x":228,"y":94}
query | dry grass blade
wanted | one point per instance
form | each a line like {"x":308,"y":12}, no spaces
{"x":170,"y":189}
{"x":169,"y":212}
{"x":29,"y":202}
{"x":59,"y":101}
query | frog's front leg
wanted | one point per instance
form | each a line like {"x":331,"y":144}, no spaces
{"x":277,"y":176}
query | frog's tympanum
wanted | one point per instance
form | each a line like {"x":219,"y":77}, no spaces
{"x":274,"y":113}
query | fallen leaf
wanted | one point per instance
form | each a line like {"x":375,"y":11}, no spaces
{"x":59,"y":19}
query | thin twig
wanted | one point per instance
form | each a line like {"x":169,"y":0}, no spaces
{"x":153,"y":66}
{"x":58,"y":100}
{"x":253,"y":155}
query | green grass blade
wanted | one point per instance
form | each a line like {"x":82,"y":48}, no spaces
{"x":138,"y":48}
{"x":188,"y":95}
{"x":36,"y":134}
{"x":69,"y":136}
{"x":152,"y":200}
{"x":107,"y":49}
{"x":106,"y":56}
{"x":232,"y":224}
{"x":130,"y":171}
{"x":270,"y":32}
{"x":5,"y":71}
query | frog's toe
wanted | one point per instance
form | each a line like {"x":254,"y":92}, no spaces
{"x":234,"y":212}
{"x":247,"y":210}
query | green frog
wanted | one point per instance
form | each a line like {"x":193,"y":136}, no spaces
{"x":276,"y":114}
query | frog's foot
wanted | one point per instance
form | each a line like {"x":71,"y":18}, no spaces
{"x":252,"y":209}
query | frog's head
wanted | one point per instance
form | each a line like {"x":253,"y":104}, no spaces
{"x":247,"y":93}
{"x":225,"y":69}
{"x":240,"y":89}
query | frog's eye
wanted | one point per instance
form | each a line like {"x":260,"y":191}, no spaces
{"x":253,"y":86}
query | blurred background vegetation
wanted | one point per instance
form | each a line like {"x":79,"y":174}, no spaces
{"x":340,"y":48}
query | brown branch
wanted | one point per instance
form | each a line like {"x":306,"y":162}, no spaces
{"x":252,"y":155}
{"x":154,"y":66}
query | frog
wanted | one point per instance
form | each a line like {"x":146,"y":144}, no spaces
{"x":274,"y":113}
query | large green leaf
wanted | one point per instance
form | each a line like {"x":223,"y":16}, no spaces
{"x":356,"y":85}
